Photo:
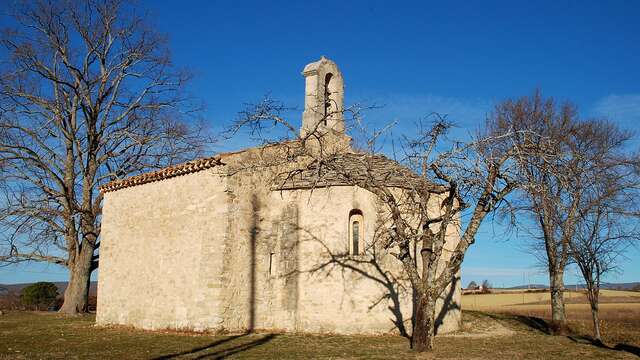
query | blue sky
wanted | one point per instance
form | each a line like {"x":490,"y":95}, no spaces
{"x":457,"y":58}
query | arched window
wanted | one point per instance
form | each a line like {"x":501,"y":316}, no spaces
{"x":356,"y":232}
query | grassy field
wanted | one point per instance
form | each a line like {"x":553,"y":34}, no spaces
{"x":25,"y":335}
{"x":505,"y":325}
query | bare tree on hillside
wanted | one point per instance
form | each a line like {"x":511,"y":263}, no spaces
{"x":465,"y":182}
{"x":88,"y":94}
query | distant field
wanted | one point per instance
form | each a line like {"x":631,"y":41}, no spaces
{"x":503,"y":298}
{"x":619,"y":311}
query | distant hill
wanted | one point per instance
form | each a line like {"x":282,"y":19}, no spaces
{"x":61,"y":285}
{"x":608,"y":286}
{"x":615,"y":286}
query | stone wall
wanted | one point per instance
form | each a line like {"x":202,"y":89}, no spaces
{"x":160,"y":261}
{"x":211,"y":250}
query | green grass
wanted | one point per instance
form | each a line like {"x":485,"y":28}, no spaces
{"x":26,"y":335}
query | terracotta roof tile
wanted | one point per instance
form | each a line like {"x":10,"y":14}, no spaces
{"x":166,"y":173}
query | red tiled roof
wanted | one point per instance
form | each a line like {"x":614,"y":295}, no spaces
{"x":166,"y":173}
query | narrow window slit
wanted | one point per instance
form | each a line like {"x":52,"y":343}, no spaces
{"x":356,"y":232}
{"x":271,"y":264}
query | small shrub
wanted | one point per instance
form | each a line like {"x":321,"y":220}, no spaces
{"x":10,"y":301}
{"x":40,"y":295}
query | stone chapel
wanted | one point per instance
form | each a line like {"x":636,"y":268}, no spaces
{"x":208,"y":245}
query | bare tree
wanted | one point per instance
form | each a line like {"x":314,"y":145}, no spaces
{"x":486,"y":286}
{"x":607,"y":222}
{"x":464,"y":183}
{"x":88,"y":94}
{"x":550,"y":195}
{"x":558,"y":176}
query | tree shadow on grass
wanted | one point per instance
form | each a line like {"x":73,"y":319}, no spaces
{"x":534,"y":323}
{"x":628,"y":348}
{"x":528,"y":322}
{"x":634,"y":350}
{"x":216,"y":350}
{"x":541,"y":325}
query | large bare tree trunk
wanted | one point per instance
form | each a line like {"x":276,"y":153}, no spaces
{"x":76,"y":295}
{"x":558,"y":315}
{"x":423,"y":335}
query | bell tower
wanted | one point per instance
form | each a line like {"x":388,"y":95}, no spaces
{"x":324,"y":98}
